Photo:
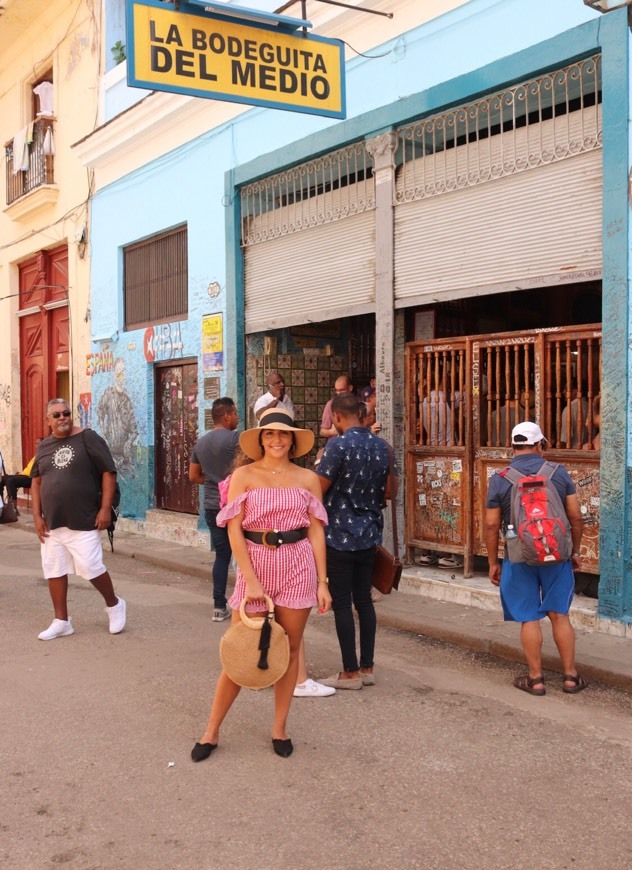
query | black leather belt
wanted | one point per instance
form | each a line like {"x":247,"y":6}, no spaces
{"x":273,"y":538}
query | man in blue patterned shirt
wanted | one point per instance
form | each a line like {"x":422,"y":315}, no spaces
{"x":354,"y":472}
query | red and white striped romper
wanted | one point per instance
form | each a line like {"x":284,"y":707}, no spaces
{"x":288,"y":573}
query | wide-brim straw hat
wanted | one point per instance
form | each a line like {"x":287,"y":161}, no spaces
{"x":276,"y":418}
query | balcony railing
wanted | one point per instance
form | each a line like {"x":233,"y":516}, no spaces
{"x":40,"y":164}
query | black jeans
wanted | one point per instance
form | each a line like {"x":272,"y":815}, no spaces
{"x":223,"y":553}
{"x":350,"y":575}
{"x":15,"y":482}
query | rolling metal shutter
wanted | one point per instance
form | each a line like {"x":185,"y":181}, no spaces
{"x":517,"y":209}
{"x":325,"y":272}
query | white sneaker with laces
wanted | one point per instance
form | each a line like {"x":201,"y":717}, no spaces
{"x":57,"y":628}
{"x":116,"y":615}
{"x":312,"y":689}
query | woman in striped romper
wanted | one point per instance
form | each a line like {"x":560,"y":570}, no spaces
{"x":271,"y":495}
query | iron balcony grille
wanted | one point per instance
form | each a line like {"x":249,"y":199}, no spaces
{"x":40,"y":165}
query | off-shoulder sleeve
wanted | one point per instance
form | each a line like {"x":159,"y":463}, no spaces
{"x":231,"y":509}
{"x":316,"y":507}
{"x":223,"y":491}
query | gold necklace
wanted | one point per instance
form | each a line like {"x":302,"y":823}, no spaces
{"x":272,"y":471}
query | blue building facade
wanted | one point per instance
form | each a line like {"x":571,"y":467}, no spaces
{"x":478,"y":48}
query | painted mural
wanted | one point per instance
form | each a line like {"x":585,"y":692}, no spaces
{"x":117,"y":422}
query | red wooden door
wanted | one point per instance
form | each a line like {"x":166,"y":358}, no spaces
{"x":176,"y":434}
{"x":44,"y":342}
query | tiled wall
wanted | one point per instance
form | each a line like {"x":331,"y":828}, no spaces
{"x":309,"y":381}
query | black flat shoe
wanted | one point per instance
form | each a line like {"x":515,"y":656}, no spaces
{"x":201,"y":751}
{"x":283,"y":748}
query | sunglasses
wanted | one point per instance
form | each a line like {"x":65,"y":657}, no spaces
{"x":57,"y":414}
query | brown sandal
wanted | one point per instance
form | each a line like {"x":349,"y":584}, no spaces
{"x":526,"y":684}
{"x":580,"y":683}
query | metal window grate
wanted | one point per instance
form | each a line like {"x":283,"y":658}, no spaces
{"x":536,"y":122}
{"x":156,"y":279}
{"x":324,"y":190}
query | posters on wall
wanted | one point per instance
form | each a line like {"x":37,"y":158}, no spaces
{"x":212,"y":343}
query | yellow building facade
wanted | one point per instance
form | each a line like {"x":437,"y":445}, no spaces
{"x":50,"y":59}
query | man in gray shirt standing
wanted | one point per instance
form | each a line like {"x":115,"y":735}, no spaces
{"x":210,"y":463}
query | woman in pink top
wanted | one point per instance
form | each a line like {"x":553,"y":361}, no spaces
{"x":273,"y":493}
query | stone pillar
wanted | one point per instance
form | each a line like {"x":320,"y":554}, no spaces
{"x":382,"y":150}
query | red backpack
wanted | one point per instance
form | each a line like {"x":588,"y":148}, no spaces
{"x":543,"y":532}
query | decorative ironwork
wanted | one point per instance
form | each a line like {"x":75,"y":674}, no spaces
{"x":321,"y":191}
{"x":40,"y":164}
{"x":537,"y":122}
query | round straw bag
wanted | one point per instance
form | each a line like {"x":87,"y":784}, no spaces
{"x":255,"y":652}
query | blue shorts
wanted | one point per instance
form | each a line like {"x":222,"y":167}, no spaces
{"x":528,"y":592}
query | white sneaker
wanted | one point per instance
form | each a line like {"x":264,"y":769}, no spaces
{"x":57,"y":628}
{"x":312,"y":689}
{"x":116,"y":615}
{"x":426,"y":559}
{"x":450,"y":562}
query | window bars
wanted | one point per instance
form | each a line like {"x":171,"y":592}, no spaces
{"x":321,"y":191}
{"x":536,"y":122}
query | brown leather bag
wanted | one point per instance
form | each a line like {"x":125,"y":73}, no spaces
{"x":387,"y":569}
{"x":8,"y":513}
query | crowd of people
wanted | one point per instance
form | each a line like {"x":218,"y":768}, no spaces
{"x":301,"y":538}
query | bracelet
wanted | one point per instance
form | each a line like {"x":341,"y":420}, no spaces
{"x":324,"y":580}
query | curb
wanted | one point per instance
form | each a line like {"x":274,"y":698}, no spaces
{"x":434,"y":629}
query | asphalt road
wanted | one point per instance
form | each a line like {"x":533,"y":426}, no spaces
{"x":441,"y":765}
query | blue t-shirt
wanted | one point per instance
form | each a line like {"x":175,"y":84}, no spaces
{"x":357,"y":463}
{"x":499,"y":489}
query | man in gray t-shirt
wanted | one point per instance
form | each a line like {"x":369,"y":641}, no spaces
{"x":211,"y":460}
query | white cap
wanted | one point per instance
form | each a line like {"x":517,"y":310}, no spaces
{"x":526,"y":434}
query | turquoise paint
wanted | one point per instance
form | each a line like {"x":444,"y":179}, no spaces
{"x":235,"y":308}
{"x":615,"y":588}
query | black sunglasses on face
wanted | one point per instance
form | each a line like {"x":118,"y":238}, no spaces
{"x":57,"y":414}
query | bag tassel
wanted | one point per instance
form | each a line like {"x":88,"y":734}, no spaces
{"x":264,"y":643}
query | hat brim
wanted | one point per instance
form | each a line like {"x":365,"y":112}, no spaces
{"x":249,"y":440}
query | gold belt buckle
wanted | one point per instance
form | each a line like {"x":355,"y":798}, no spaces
{"x":264,"y":539}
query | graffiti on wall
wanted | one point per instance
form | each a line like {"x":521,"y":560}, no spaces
{"x":84,"y":409}
{"x":163,"y":342}
{"x":5,"y":394}
{"x":102,"y":361}
{"x":117,"y":421}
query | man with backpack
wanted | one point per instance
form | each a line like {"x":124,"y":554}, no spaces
{"x":536,"y":501}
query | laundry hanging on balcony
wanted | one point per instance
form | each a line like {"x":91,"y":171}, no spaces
{"x":48,"y":145}
{"x":21,"y":142}
{"x":45,"y":93}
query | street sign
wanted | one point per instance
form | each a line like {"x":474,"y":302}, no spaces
{"x":207,"y":54}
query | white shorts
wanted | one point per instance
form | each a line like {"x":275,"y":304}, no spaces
{"x":68,"y":552}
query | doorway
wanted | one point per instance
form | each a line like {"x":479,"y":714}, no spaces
{"x":44,"y":341}
{"x":176,"y":435}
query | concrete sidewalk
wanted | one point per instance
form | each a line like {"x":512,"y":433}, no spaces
{"x":602,"y":657}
